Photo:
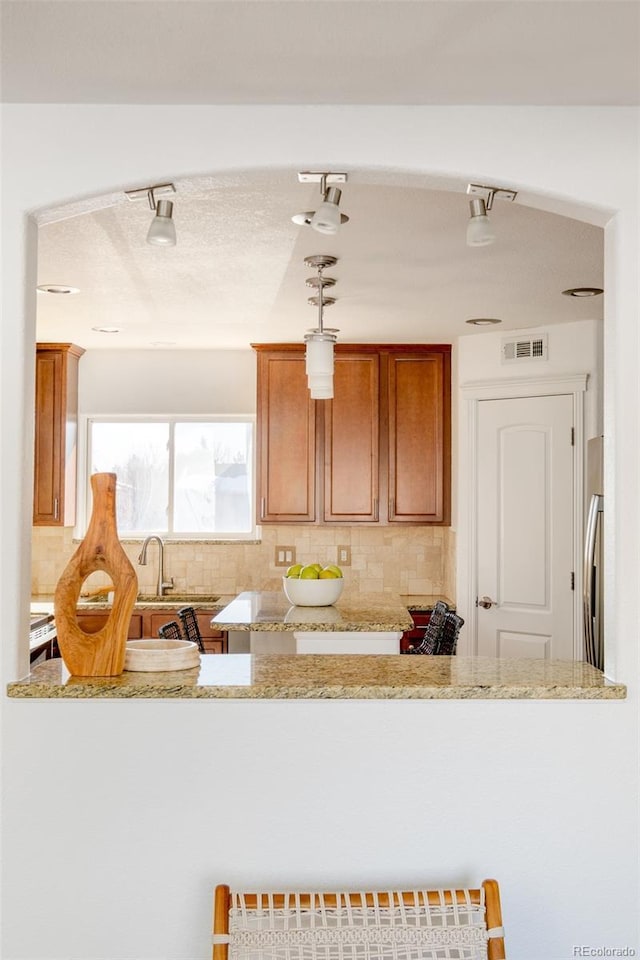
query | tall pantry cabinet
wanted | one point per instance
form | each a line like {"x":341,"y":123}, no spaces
{"x":378,"y":453}
{"x":56,"y":432}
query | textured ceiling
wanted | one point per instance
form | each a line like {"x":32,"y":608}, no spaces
{"x":237,"y":274}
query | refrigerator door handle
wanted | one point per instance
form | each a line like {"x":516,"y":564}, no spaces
{"x":595,"y":508}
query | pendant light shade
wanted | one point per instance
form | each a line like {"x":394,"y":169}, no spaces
{"x":479,"y":230}
{"x":319,"y":357}
{"x":162,"y":232}
{"x":319,"y":364}
{"x":321,"y":388}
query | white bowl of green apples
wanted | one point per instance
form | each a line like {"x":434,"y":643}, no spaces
{"x":313,"y":585}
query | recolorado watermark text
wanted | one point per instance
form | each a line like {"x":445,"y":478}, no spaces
{"x":586,"y":951}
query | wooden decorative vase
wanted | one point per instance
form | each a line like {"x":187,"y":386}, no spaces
{"x":98,"y":654}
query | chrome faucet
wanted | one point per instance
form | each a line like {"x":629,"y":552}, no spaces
{"x":162,"y":584}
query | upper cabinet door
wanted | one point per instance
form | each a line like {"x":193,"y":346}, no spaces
{"x":286,"y":439}
{"x":419,"y":416}
{"x":56,"y":429}
{"x":351,"y":441}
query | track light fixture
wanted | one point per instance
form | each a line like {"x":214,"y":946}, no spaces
{"x":320,"y":340}
{"x":480,"y":233}
{"x":327,"y":218}
{"x":162,"y":231}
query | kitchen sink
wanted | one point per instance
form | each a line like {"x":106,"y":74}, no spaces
{"x":175,"y":599}
{"x":169,"y":600}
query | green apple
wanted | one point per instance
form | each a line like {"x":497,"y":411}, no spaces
{"x":309,"y":572}
{"x":337,"y":572}
{"x":327,"y":574}
{"x":294,"y":570}
{"x":318,"y":566}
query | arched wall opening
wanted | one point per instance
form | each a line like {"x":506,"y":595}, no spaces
{"x":560,"y":764}
{"x":397,"y":176}
{"x":209,"y":193}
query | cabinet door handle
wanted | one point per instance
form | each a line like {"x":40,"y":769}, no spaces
{"x":55,"y":508}
{"x":392,"y":508}
{"x":262,"y":507}
{"x":375,"y":509}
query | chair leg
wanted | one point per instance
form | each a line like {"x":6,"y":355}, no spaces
{"x":495,"y":949}
{"x":221,"y":903}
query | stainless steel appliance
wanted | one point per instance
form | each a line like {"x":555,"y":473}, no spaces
{"x":593,"y":586}
{"x":42,"y":634}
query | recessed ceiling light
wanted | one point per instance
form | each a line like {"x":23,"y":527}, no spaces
{"x":163,"y":343}
{"x":583,"y":292}
{"x":106,"y":329}
{"x":483,"y":321}
{"x":57,"y":288}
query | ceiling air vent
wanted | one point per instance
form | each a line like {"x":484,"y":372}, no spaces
{"x":524,"y":348}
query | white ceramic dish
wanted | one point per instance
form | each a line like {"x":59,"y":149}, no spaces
{"x":312,"y":593}
{"x":149,"y":656}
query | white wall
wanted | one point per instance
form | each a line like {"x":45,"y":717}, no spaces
{"x":573,"y":348}
{"x":119,"y":817}
{"x":181,"y":382}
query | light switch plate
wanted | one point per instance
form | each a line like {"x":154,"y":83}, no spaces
{"x":285,"y":556}
{"x":344,"y":556}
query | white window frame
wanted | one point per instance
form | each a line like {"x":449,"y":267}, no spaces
{"x":83,"y":507}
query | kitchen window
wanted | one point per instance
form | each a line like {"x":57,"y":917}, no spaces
{"x":181,"y":477}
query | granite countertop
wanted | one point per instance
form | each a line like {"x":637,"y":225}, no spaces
{"x":425,"y":601}
{"x":149,"y":602}
{"x":216,"y":602}
{"x":346,"y":677}
{"x":269,"y":611}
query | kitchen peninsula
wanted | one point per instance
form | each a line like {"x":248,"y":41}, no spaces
{"x":260,"y":675}
{"x":358,"y":624}
{"x":269,"y":610}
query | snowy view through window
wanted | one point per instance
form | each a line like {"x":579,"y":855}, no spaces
{"x":177,"y":477}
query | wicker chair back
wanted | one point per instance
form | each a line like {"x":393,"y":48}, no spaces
{"x":190,"y":626}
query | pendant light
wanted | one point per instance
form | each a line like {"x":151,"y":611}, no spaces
{"x":320,"y":340}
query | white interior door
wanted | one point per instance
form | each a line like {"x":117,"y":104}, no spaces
{"x":524,"y":532}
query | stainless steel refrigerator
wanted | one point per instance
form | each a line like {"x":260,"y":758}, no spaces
{"x":593,"y":586}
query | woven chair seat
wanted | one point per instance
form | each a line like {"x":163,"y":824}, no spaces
{"x":415,"y":925}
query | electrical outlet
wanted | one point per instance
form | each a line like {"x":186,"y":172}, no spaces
{"x":344,"y":556}
{"x":285,"y":556}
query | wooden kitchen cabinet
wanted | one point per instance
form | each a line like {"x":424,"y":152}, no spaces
{"x":286,"y":439}
{"x":413,"y":637}
{"x":419,"y":436}
{"x":92,"y":622}
{"x":56,"y":430}
{"x":145,"y":623}
{"x":378,"y":453}
{"x":352,"y":441}
{"x":215,"y":641}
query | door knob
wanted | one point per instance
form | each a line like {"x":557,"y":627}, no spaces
{"x":486,"y":603}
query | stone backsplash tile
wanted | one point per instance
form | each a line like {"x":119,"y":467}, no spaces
{"x":409,"y":560}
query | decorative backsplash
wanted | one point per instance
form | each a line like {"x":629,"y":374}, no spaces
{"x":409,"y":560}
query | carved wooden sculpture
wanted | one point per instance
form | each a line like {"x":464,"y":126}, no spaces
{"x":98,"y":654}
